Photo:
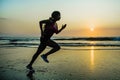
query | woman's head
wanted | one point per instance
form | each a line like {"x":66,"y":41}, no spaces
{"x":56,"y":15}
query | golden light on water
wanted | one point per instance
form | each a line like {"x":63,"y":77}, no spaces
{"x":92,"y":43}
{"x":92,"y":57}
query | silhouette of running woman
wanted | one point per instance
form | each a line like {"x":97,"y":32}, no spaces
{"x":50,"y":27}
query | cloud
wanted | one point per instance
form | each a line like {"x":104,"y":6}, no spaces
{"x":1,"y":18}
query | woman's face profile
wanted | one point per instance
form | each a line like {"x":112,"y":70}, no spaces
{"x":57,"y":17}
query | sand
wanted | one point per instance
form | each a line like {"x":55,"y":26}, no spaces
{"x":64,"y":64}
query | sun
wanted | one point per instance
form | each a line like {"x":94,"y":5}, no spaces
{"x":92,"y":27}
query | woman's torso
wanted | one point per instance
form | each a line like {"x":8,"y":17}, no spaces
{"x":50,"y":29}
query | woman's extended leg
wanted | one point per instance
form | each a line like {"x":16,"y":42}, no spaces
{"x":40,"y":49}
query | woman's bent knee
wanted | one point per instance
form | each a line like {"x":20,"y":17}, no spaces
{"x":58,"y":48}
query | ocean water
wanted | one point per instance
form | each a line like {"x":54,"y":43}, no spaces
{"x":66,"y":43}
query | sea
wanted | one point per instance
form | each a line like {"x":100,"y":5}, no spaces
{"x":71,"y":43}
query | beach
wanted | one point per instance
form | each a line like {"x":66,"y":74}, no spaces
{"x":89,"y":39}
{"x":64,"y":65}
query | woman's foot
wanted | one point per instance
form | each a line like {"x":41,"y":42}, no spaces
{"x":29,"y":67}
{"x":44,"y":57}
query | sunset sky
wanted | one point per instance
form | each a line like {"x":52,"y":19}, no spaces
{"x":83,"y":17}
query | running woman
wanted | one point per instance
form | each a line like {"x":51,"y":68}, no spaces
{"x":48,"y":28}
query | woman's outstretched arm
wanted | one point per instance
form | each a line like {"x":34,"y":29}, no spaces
{"x":63,"y":27}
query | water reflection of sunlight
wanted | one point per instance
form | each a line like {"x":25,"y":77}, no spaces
{"x":92,"y":57}
{"x":92,"y":43}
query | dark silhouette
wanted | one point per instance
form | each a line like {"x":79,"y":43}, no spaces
{"x":50,"y":27}
{"x":30,"y":75}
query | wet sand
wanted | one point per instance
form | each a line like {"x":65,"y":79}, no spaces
{"x":64,"y":64}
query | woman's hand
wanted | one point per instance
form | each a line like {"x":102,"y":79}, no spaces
{"x":63,"y":26}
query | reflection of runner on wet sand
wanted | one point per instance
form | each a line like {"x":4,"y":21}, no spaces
{"x":46,"y":33}
{"x":30,"y":74}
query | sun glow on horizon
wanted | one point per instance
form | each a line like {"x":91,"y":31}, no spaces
{"x":92,"y":26}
